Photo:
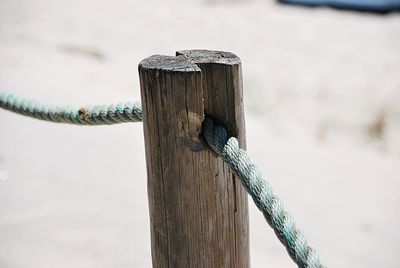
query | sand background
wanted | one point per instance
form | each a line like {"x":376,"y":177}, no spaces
{"x":322,"y":99}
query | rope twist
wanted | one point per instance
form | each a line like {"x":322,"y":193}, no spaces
{"x":261,"y":192}
{"x":88,"y":115}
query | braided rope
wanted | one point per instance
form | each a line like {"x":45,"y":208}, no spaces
{"x":217,"y":138}
{"x":89,"y":115}
{"x":261,"y":192}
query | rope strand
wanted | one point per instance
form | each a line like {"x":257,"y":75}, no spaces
{"x":87,"y":115}
{"x":261,"y":191}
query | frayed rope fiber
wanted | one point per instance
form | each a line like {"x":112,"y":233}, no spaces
{"x":216,"y":137}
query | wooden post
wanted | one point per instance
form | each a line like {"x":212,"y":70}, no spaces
{"x":198,"y":209}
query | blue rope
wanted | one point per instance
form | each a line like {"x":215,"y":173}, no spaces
{"x":216,"y":137}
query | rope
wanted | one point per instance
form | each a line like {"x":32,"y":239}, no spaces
{"x":260,"y":190}
{"x":216,"y":137}
{"x":89,"y":115}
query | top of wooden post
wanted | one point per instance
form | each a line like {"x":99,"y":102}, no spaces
{"x":168,"y":63}
{"x":209,"y":56}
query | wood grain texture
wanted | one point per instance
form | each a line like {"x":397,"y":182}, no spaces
{"x":198,"y":209}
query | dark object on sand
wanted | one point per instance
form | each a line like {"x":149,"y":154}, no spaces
{"x":380,"y":6}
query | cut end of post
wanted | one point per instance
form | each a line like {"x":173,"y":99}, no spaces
{"x":169,"y":63}
{"x":210,"y":56}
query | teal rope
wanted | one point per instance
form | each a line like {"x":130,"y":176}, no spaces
{"x":216,"y":137}
{"x":88,"y":115}
{"x":260,"y":190}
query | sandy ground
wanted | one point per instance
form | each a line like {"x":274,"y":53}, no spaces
{"x":322,"y":94}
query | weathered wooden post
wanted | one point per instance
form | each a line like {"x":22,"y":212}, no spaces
{"x":198,"y":209}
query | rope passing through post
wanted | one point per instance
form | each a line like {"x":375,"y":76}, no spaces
{"x":215,"y":136}
{"x":260,"y":190}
